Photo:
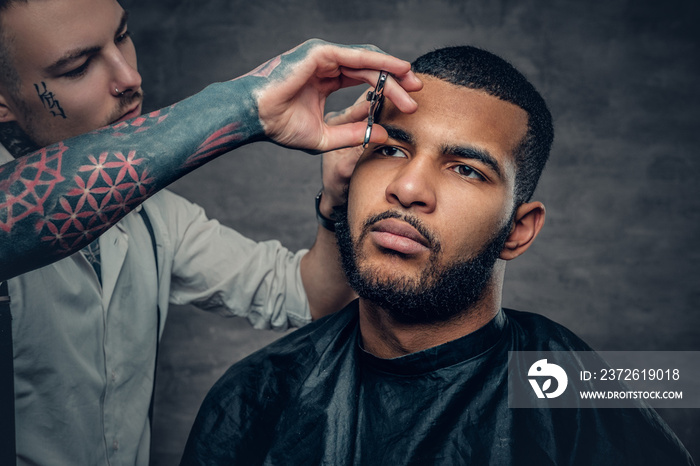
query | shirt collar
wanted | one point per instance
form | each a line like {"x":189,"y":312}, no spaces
{"x":448,"y":354}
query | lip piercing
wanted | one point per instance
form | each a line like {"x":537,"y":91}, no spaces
{"x":119,"y":94}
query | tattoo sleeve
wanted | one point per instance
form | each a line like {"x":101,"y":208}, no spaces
{"x":60,"y":198}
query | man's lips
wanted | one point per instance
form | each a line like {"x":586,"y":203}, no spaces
{"x":132,"y":113}
{"x":398,"y":236}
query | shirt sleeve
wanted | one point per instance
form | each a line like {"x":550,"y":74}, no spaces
{"x":217,"y":269}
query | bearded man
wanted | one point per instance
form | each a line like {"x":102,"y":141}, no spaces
{"x":415,"y":372}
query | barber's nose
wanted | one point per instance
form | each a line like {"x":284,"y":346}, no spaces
{"x":126,"y":78}
{"x":413,"y":186}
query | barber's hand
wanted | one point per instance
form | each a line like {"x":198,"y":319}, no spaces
{"x":292,"y":97}
{"x":338,"y":165}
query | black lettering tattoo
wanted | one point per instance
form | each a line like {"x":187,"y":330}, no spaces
{"x":49,"y":101}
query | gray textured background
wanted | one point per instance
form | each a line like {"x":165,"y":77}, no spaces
{"x":617,"y":259}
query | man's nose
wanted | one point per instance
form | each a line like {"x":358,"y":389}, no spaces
{"x":126,"y":78}
{"x":413,"y":186}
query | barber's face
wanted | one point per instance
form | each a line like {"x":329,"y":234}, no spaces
{"x":72,"y":56}
{"x":440,"y":190}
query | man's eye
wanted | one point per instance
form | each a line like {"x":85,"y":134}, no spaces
{"x":467,"y":171}
{"x":77,"y":72}
{"x":390,"y":151}
{"x":122,"y":37}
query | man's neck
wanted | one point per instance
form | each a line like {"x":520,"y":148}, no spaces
{"x":385,"y":338}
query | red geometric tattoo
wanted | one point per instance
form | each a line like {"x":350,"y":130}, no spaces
{"x":31,"y":183}
{"x":142,"y":123}
{"x":212,"y":145}
{"x":266,"y":68}
{"x":107,"y":189}
{"x":78,"y":209}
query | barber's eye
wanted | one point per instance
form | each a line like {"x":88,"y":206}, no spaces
{"x":390,"y":151}
{"x":77,"y":72}
{"x":468,"y":172}
{"x":122,"y":37}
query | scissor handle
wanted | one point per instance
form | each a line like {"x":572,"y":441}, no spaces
{"x":375,"y":98}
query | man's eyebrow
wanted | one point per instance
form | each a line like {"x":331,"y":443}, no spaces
{"x":73,"y":55}
{"x":399,"y":134}
{"x":465,"y":152}
{"x":474,"y":153}
{"x":68,"y":57}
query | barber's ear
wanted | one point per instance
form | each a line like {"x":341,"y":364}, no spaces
{"x":529,"y":219}
{"x":6,"y":112}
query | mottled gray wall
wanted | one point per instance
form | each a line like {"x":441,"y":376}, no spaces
{"x":617,"y":259}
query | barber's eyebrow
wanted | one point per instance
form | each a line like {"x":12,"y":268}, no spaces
{"x":474,"y":153}
{"x":60,"y":64}
{"x":73,"y":55}
{"x":122,"y":23}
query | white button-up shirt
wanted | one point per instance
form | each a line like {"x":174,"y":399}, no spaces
{"x":84,"y":352}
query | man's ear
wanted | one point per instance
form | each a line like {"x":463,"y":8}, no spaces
{"x":528,"y":221}
{"x":6,"y":112}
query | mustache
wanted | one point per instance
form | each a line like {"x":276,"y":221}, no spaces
{"x":126,"y":101}
{"x":432,"y":240}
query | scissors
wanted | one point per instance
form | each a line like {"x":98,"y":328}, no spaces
{"x":375,"y":97}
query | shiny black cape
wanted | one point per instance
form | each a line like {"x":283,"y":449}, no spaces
{"x":315,"y":397}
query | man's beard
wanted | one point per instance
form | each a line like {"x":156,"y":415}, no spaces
{"x":441,"y":293}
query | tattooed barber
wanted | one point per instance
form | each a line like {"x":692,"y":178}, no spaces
{"x":85,"y":326}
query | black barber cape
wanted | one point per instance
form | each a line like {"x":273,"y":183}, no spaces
{"x":315,"y":397}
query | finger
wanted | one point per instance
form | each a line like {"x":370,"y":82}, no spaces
{"x":359,"y":110}
{"x":393,"y":90}
{"x":338,"y":166}
{"x":367,"y":57}
{"x":356,"y":112}
{"x":378,"y":136}
{"x":408,"y":81}
{"x":350,"y":135}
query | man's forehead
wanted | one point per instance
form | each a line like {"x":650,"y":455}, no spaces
{"x":42,"y":31}
{"x":446,"y":110}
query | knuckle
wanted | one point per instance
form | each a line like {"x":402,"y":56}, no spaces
{"x":372,"y":48}
{"x":314,"y":42}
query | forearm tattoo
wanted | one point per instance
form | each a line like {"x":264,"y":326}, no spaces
{"x":104,"y":191}
{"x":214,"y":144}
{"x":60,"y":198}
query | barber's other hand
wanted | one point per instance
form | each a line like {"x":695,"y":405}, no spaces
{"x":338,"y":165}
{"x":292,"y":97}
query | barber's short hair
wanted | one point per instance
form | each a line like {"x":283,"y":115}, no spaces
{"x":9,"y":77}
{"x":478,"y":69}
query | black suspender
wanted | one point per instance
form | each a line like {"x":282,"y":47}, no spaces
{"x":8,"y":455}
{"x":149,"y":227}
